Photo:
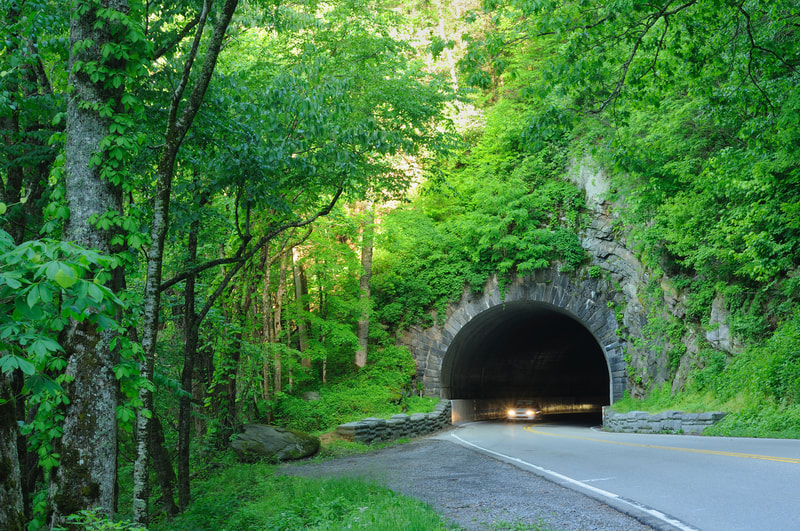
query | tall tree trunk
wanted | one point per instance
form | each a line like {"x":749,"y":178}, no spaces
{"x":163,"y":467}
{"x":443,"y":35}
{"x":230,"y":389}
{"x":362,"y":329}
{"x":267,"y":329}
{"x":191,"y":331}
{"x":177,"y":126}
{"x":277,"y":326}
{"x":12,"y":511}
{"x":300,"y":291}
{"x":87,"y":474}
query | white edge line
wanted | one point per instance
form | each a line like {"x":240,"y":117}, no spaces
{"x":600,"y":492}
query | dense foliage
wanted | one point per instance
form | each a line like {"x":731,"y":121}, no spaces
{"x":190,"y":192}
{"x":498,"y":209}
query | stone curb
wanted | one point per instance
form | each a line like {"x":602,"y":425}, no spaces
{"x":666,"y":422}
{"x":399,"y":426}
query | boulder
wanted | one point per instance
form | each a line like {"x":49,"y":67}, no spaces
{"x":259,"y":441}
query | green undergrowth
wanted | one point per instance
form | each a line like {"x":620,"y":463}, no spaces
{"x":344,"y":404}
{"x":382,"y":389}
{"x":246,"y":497}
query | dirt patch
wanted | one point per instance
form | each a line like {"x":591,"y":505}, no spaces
{"x":472,"y":490}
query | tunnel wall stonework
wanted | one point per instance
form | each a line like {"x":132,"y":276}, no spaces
{"x":590,"y":300}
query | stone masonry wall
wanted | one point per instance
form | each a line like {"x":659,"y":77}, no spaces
{"x":589,"y":299}
{"x":398,"y":426}
{"x":667,"y":422}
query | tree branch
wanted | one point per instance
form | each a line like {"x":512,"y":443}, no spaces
{"x":245,"y":256}
{"x":177,"y":95}
{"x":177,"y":38}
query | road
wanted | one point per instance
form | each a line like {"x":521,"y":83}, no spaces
{"x":680,"y":481}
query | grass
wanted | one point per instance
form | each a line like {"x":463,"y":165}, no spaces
{"x":247,"y":497}
{"x":747,"y":416}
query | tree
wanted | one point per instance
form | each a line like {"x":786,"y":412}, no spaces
{"x":367,"y":240}
{"x":87,"y":474}
{"x":12,"y":517}
{"x":180,"y":117}
{"x":271,"y":144}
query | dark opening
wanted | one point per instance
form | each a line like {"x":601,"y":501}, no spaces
{"x":526,"y":351}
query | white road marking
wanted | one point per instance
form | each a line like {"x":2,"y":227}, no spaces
{"x":600,"y":492}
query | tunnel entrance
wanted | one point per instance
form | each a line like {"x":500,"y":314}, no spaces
{"x":525,"y":350}
{"x":553,"y":336}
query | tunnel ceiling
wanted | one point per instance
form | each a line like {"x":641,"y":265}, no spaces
{"x":525,"y":350}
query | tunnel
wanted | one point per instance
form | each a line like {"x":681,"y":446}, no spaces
{"x":525,"y":350}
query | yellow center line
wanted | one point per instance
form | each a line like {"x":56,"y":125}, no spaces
{"x":673,"y":448}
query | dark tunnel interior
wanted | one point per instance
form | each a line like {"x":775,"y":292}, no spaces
{"x":526,"y":351}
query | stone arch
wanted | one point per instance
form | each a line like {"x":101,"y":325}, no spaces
{"x":589,"y":302}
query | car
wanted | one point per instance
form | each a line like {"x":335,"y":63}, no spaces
{"x":524,"y":410}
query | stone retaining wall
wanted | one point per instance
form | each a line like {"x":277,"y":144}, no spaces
{"x":666,"y":422}
{"x":399,"y":426}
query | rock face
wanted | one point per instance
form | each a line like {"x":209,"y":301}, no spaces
{"x":646,"y":306}
{"x":259,"y":441}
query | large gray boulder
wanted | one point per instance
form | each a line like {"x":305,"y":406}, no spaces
{"x":259,"y":441}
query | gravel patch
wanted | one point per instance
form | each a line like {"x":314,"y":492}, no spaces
{"x":472,"y":490}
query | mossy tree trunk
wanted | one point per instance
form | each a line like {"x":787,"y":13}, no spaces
{"x":87,"y":474}
{"x":12,"y":514}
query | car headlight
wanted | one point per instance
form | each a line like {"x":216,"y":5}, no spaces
{"x":530,"y":413}
{"x":511,"y":413}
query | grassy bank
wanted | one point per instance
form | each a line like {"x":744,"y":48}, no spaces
{"x":233,"y":496}
{"x":747,"y":416}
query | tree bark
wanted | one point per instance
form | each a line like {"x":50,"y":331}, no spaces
{"x":12,"y":510}
{"x":191,"y":331}
{"x":87,"y":474}
{"x":277,"y":326}
{"x":267,"y":331}
{"x":362,"y":329}
{"x":300,"y":291}
{"x":163,"y":467}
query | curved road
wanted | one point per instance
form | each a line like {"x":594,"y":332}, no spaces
{"x":677,"y":481}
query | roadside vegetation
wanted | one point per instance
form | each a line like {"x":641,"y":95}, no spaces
{"x":224,"y":212}
{"x":242,"y":497}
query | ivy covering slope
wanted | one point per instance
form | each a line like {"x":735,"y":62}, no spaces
{"x":498,"y":209}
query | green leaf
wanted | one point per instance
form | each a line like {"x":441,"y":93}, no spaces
{"x":43,"y":346}
{"x":39,"y":384}
{"x":65,"y":277}
{"x":10,"y":362}
{"x":33,"y":296}
{"x":94,"y":292}
{"x":11,"y":282}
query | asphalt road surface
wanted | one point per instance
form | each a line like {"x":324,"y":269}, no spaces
{"x":679,"y":481}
